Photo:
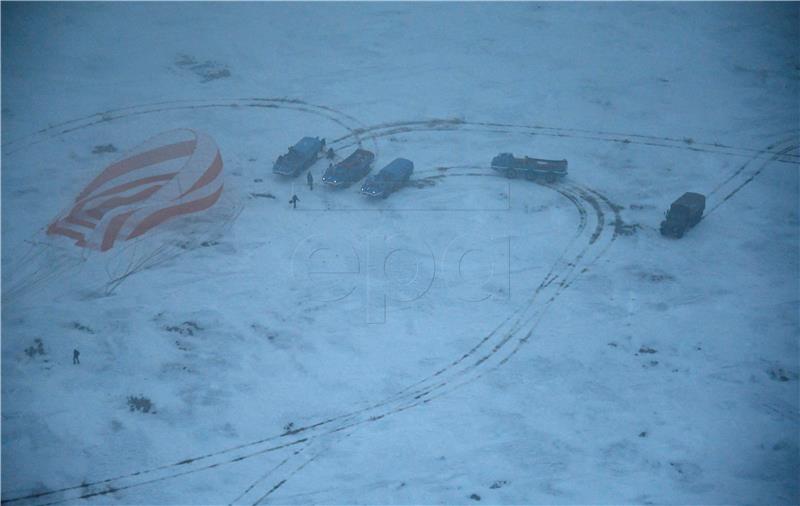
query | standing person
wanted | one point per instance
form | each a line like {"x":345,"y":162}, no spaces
{"x":75,"y":357}
{"x":294,"y":200}
{"x":330,"y":154}
{"x":310,"y":180}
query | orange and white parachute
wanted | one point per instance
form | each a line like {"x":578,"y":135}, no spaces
{"x":152,"y":205}
{"x":174,"y":173}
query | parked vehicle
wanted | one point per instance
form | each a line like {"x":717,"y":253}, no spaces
{"x":350,"y":170}
{"x":299,"y":157}
{"x":531,"y":168}
{"x":389,"y":179}
{"x":683,"y":214}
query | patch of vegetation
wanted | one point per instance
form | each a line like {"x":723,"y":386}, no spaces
{"x":104,"y":148}
{"x":210,"y":71}
{"x":262,"y":195}
{"x":187,"y":328}
{"x":424,"y":182}
{"x":140,"y":403}
{"x":656,"y":277}
{"x":184,"y":60}
{"x":36,"y":349}
{"x":182,"y":346}
{"x":207,"y":70}
{"x":622,"y":228}
{"x":779,"y":374}
{"x":82,"y":327}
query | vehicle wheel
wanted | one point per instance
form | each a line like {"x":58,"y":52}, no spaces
{"x":550,"y":178}
{"x":530,"y":176}
{"x":511,"y":174}
{"x":679,"y":234}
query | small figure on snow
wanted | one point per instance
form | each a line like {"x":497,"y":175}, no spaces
{"x":76,"y":357}
{"x":294,"y":200}
{"x":310,"y":180}
{"x":330,"y":154}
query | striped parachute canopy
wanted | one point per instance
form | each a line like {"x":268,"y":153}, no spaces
{"x":174,"y":173}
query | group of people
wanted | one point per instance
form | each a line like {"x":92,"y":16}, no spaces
{"x":330,"y":154}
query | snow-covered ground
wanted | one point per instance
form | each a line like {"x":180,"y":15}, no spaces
{"x":471,"y":338}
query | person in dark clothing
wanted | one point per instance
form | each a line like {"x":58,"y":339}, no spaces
{"x":330,"y":154}
{"x":310,"y":180}
{"x":294,"y":200}
{"x":75,"y":357}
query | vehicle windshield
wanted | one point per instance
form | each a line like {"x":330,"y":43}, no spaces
{"x":338,"y":171}
{"x":678,"y":212}
{"x":291,"y":155}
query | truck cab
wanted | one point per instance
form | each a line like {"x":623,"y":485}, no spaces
{"x":299,"y":157}
{"x":683,"y":214}
{"x":389,"y":179}
{"x":351,"y":169}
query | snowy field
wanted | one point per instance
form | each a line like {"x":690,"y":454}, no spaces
{"x":471,"y":339}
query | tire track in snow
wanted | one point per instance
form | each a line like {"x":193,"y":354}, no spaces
{"x":784,"y":150}
{"x":113,"y":485}
{"x":457,"y":124}
{"x":346,"y":121}
{"x":265,"y":476}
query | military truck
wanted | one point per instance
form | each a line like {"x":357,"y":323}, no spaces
{"x":299,"y":157}
{"x":683,"y":214}
{"x":531,"y":168}
{"x":350,"y":170}
{"x":389,"y":179}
